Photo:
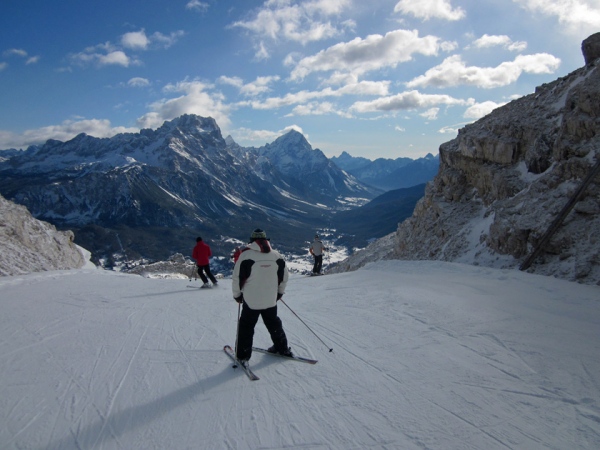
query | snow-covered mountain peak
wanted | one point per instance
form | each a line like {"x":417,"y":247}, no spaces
{"x":292,"y":151}
{"x":292,"y":138}
{"x":182,"y":175}
{"x":191,"y":124}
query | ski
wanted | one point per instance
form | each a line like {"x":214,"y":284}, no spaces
{"x":295,"y":358}
{"x":251,"y":375}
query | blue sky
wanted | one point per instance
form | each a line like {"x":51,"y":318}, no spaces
{"x":377,"y":78}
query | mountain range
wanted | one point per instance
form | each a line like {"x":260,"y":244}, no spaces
{"x":389,"y":174}
{"x":149,"y":194}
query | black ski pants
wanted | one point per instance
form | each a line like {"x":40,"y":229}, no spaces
{"x":201,"y":270}
{"x":247,"y":323}
{"x":318,"y":264}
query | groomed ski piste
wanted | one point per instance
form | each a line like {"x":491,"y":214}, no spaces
{"x":425,"y":355}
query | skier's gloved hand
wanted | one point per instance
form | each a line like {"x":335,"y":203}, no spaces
{"x":239,"y":299}
{"x":279,"y":296}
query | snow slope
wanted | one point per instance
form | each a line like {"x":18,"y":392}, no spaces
{"x":426,"y":355}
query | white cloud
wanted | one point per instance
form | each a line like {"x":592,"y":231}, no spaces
{"x":407,"y":100}
{"x":262,"y":52}
{"x":448,"y":46}
{"x":258,"y":86}
{"x":451,"y":129}
{"x":377,"y":88}
{"x":21,"y":53}
{"x":517,"y":46}
{"x":428,"y":9}
{"x":364,"y":88}
{"x":136,"y":40}
{"x":326,"y":7}
{"x":487,"y":41}
{"x":16,"y":52}
{"x":65,"y":131}
{"x":232,"y":81}
{"x":103,"y":55}
{"x":453,"y":72}
{"x":295,"y":21}
{"x":166,"y":41}
{"x":118,"y":58}
{"x":138,"y":82}
{"x":538,"y":63}
{"x":195,"y":98}
{"x":338,"y":78}
{"x":317,"y":109}
{"x":108,"y":54}
{"x":3,"y":66}
{"x":197,"y":5}
{"x":479,"y":110}
{"x":431,"y":114}
{"x":372,"y":53}
{"x":575,"y":14}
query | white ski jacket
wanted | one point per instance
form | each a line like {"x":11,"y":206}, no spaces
{"x":260,"y":274}
{"x":317,"y":248}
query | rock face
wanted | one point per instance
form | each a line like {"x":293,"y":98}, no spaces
{"x":504,"y":179}
{"x":29,"y":245}
{"x":591,"y":48}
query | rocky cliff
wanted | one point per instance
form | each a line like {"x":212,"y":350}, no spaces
{"x":30,"y":245}
{"x":504,"y":179}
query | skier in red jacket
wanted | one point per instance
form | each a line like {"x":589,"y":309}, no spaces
{"x":201,"y":255}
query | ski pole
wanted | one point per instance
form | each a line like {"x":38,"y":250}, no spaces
{"x":192,"y":272}
{"x":281,"y":300}
{"x":237,"y":332}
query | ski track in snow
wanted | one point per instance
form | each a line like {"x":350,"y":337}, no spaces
{"x":426,"y":355}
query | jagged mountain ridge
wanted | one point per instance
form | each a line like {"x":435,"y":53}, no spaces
{"x":389,"y":174}
{"x":503,"y":181}
{"x":100,"y":181}
{"x":291,"y":164}
{"x":182,"y":176}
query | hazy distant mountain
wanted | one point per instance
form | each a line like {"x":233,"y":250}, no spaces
{"x":389,"y":174}
{"x":291,"y":164}
{"x":377,"y":218}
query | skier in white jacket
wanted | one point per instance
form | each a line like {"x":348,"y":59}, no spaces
{"x":259,"y":279}
{"x":316,"y":249}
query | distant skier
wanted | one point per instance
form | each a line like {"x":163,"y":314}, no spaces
{"x":259,"y":279}
{"x":201,"y":255}
{"x":316,"y":249}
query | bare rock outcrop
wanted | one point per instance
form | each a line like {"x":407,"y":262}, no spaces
{"x":590,"y":48}
{"x":503,"y":180}
{"x":30,"y":245}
